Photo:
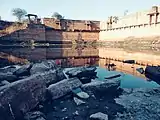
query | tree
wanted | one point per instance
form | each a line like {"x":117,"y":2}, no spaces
{"x":115,"y":19}
{"x":57,"y":15}
{"x":19,"y":13}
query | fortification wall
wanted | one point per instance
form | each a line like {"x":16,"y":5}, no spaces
{"x":25,"y":33}
{"x":137,"y":32}
{"x":71,"y":25}
{"x":140,"y":24}
{"x":38,"y":32}
{"x":64,"y":35}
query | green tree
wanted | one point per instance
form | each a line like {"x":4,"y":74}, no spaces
{"x":57,"y":15}
{"x":19,"y":13}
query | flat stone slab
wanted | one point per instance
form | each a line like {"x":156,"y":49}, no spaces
{"x":81,"y":71}
{"x":98,"y":86}
{"x":63,"y":87}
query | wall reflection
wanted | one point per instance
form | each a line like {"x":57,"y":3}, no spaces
{"x":69,"y":56}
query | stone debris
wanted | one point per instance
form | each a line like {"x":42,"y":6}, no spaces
{"x":99,"y":116}
{"x":78,"y":101}
{"x":83,"y":95}
{"x":29,"y":91}
{"x":37,"y":115}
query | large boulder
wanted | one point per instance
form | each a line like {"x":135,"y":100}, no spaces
{"x":82,"y":72}
{"x":8,"y":76}
{"x":43,"y":66}
{"x":23,"y":71}
{"x":63,"y":87}
{"x":97,"y":86}
{"x":140,"y":104}
{"x":21,"y":96}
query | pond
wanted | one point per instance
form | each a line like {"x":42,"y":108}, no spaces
{"x":71,"y":56}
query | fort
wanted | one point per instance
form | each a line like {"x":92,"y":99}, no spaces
{"x":51,"y":31}
{"x":142,"y":25}
{"x":139,"y":27}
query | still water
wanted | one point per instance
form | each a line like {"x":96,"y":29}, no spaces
{"x":71,"y":56}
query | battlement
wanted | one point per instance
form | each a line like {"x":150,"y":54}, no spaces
{"x":144,"y":23}
{"x":140,"y":18}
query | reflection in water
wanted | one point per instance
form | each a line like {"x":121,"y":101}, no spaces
{"x":7,"y":59}
{"x":111,"y":59}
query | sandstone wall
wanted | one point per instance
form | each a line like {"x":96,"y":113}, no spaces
{"x":71,"y":25}
{"x":25,"y":33}
{"x":39,"y":32}
{"x":64,"y":35}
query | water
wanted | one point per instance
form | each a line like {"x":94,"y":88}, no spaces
{"x":127,"y":80}
{"x":71,"y":56}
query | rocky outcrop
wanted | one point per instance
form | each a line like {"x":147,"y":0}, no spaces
{"x":20,"y":97}
{"x":63,"y":87}
{"x":140,"y":104}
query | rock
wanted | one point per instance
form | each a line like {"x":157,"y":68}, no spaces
{"x":78,"y":101}
{"x":140,"y":104}
{"x":21,"y":96}
{"x":83,"y":95}
{"x":85,"y":80}
{"x":82,"y":72}
{"x":50,"y":77}
{"x":9,"y":69}
{"x":8,"y":76}
{"x":23,"y":71}
{"x":43,"y":66}
{"x":37,"y":115}
{"x":63,"y":87}
{"x":64,"y":109}
{"x":2,"y":83}
{"x":76,"y":113}
{"x":107,"y":86}
{"x":60,"y":74}
{"x":99,"y":116}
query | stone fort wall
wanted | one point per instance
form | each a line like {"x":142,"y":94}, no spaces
{"x":140,"y":24}
{"x":53,"y":30}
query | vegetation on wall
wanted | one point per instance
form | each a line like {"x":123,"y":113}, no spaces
{"x":57,"y":15}
{"x":19,"y":13}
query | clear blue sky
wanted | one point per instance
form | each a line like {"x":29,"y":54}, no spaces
{"x":75,"y":9}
